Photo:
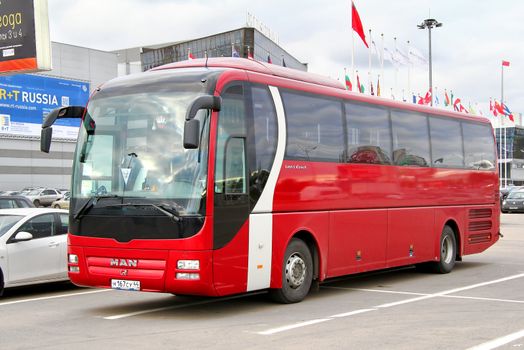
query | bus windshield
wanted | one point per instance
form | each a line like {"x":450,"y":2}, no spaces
{"x":131,"y":146}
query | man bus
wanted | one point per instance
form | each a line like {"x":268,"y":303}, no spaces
{"x":223,"y":176}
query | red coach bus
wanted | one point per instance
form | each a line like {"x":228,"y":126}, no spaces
{"x":223,"y":176}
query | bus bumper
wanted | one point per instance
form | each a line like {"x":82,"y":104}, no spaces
{"x":168,"y":271}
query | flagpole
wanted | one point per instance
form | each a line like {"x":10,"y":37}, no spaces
{"x":352,"y":45}
{"x":369,"y":62}
{"x":503,"y":117}
{"x":382,"y":59}
{"x":409,"y":70}
{"x":396,"y":68}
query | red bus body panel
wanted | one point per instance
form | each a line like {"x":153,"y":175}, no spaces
{"x":360,"y":217}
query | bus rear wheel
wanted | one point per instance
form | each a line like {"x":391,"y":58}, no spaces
{"x":448,"y":252}
{"x":297,"y":273}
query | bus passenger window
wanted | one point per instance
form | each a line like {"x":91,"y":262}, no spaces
{"x":479,"y":154}
{"x":446,"y":143}
{"x":410,"y":139}
{"x":315,"y":130}
{"x":369,"y":137}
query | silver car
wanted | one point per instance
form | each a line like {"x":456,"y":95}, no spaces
{"x":43,"y":196}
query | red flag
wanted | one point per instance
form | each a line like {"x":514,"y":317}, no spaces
{"x":505,"y":63}
{"x":427,"y":98}
{"x":358,"y":84}
{"x":190,"y":55}
{"x":456,"y":104}
{"x":499,"y":108}
{"x":356,"y":24}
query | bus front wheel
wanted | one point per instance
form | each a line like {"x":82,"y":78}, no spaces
{"x":297,"y":273}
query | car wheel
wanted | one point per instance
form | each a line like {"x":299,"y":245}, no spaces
{"x":1,"y":283}
{"x":36,"y":203}
{"x":57,"y":206}
{"x":297,"y":273}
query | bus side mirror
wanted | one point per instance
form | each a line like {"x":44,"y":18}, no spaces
{"x":192,"y":126}
{"x":191,"y":134}
{"x":59,"y":113}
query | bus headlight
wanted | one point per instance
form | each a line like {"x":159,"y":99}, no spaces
{"x":73,"y":259}
{"x":75,"y":269}
{"x":188,"y":265}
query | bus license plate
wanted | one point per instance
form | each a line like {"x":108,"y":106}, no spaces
{"x":125,"y":285}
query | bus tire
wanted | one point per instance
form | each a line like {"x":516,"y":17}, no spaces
{"x":297,"y":274}
{"x":448,"y":252}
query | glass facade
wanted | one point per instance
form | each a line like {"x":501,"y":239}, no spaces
{"x":243,"y":41}
{"x":511,"y":142}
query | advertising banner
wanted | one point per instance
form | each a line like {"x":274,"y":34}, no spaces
{"x":24,"y":36}
{"x":26,"y":99}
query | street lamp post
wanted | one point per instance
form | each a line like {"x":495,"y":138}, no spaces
{"x":429,"y":24}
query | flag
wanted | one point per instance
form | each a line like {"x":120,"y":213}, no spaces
{"x":269,"y":58}
{"x":463,"y":109}
{"x":505,"y":63}
{"x":507,"y":112}
{"x":378,"y":86}
{"x":471,"y":109}
{"x":190,"y":55}
{"x":414,"y":99}
{"x":283,"y":62}
{"x":446,"y":98}
{"x":420,"y":100}
{"x":451,"y":99}
{"x":427,"y":98}
{"x":372,"y":91}
{"x":249,"y":54}
{"x":456,"y":105}
{"x":498,"y":108}
{"x":492,"y":108}
{"x":349,"y":86}
{"x":358,"y":84}
{"x":356,"y":24}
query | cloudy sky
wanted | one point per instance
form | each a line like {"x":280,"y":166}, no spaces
{"x":467,"y":50}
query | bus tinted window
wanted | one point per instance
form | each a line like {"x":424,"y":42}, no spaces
{"x":314,"y":128}
{"x":446,"y":143}
{"x":230,"y":172}
{"x":265,"y":123}
{"x":369,"y":137}
{"x":410,"y":139}
{"x":478,"y":146}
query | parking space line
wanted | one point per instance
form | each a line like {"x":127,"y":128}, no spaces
{"x":425,"y":294}
{"x":450,"y":291}
{"x":388,"y":305}
{"x":53,"y":297}
{"x":181,"y":306}
{"x":293,"y":326}
{"x":495,"y":343}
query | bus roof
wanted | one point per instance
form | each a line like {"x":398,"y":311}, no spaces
{"x":258,"y":67}
{"x":297,"y":75}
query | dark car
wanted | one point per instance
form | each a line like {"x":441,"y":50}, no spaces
{"x":10,"y":202}
{"x":514,"y":202}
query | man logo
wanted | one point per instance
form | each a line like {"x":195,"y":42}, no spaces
{"x":123,"y":262}
{"x":124,"y":272}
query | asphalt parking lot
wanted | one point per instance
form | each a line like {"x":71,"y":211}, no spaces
{"x":479,"y":305}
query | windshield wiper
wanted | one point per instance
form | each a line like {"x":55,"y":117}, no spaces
{"x":166,"y":209}
{"x":91,"y":202}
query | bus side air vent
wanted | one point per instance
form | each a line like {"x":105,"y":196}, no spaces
{"x":480,"y":213}
{"x":479,"y":226}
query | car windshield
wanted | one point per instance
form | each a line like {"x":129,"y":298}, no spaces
{"x":34,"y":192}
{"x":131,"y":146}
{"x":516,"y":195}
{"x":8,"y":221}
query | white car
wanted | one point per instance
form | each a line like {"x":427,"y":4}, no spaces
{"x":33,"y":246}
{"x":43,"y":196}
